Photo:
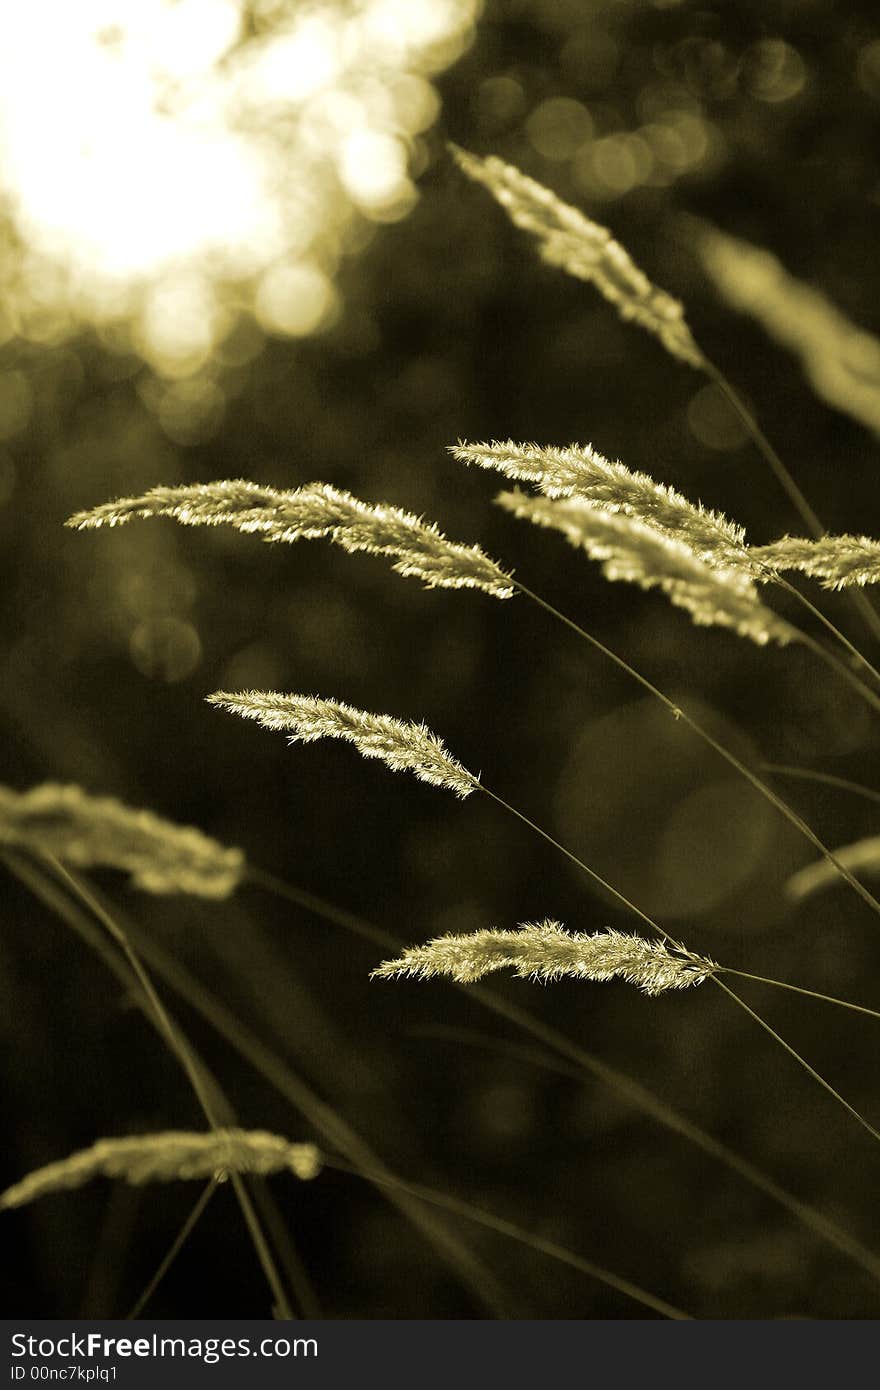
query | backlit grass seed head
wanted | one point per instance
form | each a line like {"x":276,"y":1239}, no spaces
{"x":402,"y":745}
{"x":841,"y":360}
{"x":639,"y":554}
{"x":312,"y":512}
{"x":87,"y":831}
{"x":173,"y":1156}
{"x":546,"y":951}
{"x":573,"y":242}
{"x":840,"y":562}
{"x":580,"y":471}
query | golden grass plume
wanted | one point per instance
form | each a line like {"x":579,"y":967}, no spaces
{"x":312,"y":512}
{"x":639,"y":554}
{"x":546,"y":951}
{"x":173,"y":1156}
{"x":840,"y":562}
{"x":400,"y":744}
{"x":578,"y":470}
{"x":585,"y":249}
{"x":87,"y":831}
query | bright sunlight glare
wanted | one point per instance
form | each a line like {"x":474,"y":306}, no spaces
{"x":183,"y":162}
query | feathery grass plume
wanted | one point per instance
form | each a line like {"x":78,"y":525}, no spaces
{"x":174,"y":1156}
{"x":402,"y":745}
{"x":87,"y":831}
{"x":578,"y":470}
{"x":839,"y":561}
{"x":546,"y":951}
{"x":841,"y":360}
{"x":313,"y":512}
{"x":574,"y":243}
{"x":640,"y":554}
{"x":862,"y":856}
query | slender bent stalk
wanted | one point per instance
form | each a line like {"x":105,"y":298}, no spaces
{"x":181,"y":1050}
{"x":678,"y":713}
{"x":545,"y":1247}
{"x":585,"y":868}
{"x":474,"y":1275}
{"x":827,"y":779}
{"x":859,"y":601}
{"x":180,"y":1240}
{"x":649,"y":921}
{"x":634,"y":1092}
{"x":49,"y":892}
{"x":860,"y":1119}
{"x":870,"y":697}
{"x":858,"y":657}
{"x":798,"y":989}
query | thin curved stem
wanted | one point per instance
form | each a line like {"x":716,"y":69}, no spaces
{"x":591,"y":873}
{"x":798,"y":989}
{"x":636,"y":1094}
{"x":824,"y":778}
{"x":812,"y":1219}
{"x":858,"y":657}
{"x":49,"y":892}
{"x":675,"y":710}
{"x":780,"y":472}
{"x":811,"y":1071}
{"x":859,"y":601}
{"x":180,"y":1049}
{"x":180,"y":1240}
{"x":332,"y":1127}
{"x":666,"y":937}
{"x":513,"y":1232}
{"x":871,"y":697}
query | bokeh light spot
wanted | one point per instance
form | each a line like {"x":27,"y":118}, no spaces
{"x":868,"y":68}
{"x":165,"y":649}
{"x":774,"y":70}
{"x":558,"y":127}
{"x":16,"y":403}
{"x":712,"y":421}
{"x":242,"y":137}
{"x":295,"y":299}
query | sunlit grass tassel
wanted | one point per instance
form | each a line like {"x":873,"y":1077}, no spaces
{"x":173,"y":1156}
{"x":546,"y":951}
{"x":312,"y":512}
{"x":90,"y":831}
{"x":581,"y":471}
{"x":402,"y":745}
{"x":839,"y":561}
{"x":573,"y":242}
{"x":640,"y":554}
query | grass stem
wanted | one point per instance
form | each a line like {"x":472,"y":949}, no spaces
{"x":678,"y":713}
{"x":180,"y":1240}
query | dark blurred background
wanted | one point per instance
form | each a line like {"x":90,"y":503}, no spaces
{"x":426,"y":320}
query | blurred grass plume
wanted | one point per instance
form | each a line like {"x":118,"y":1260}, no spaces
{"x":86,"y":831}
{"x":840,"y":359}
{"x":176,"y":1155}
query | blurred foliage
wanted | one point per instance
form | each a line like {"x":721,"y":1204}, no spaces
{"x":763,"y":117}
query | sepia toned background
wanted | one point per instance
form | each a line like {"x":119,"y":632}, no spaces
{"x":233,"y":245}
